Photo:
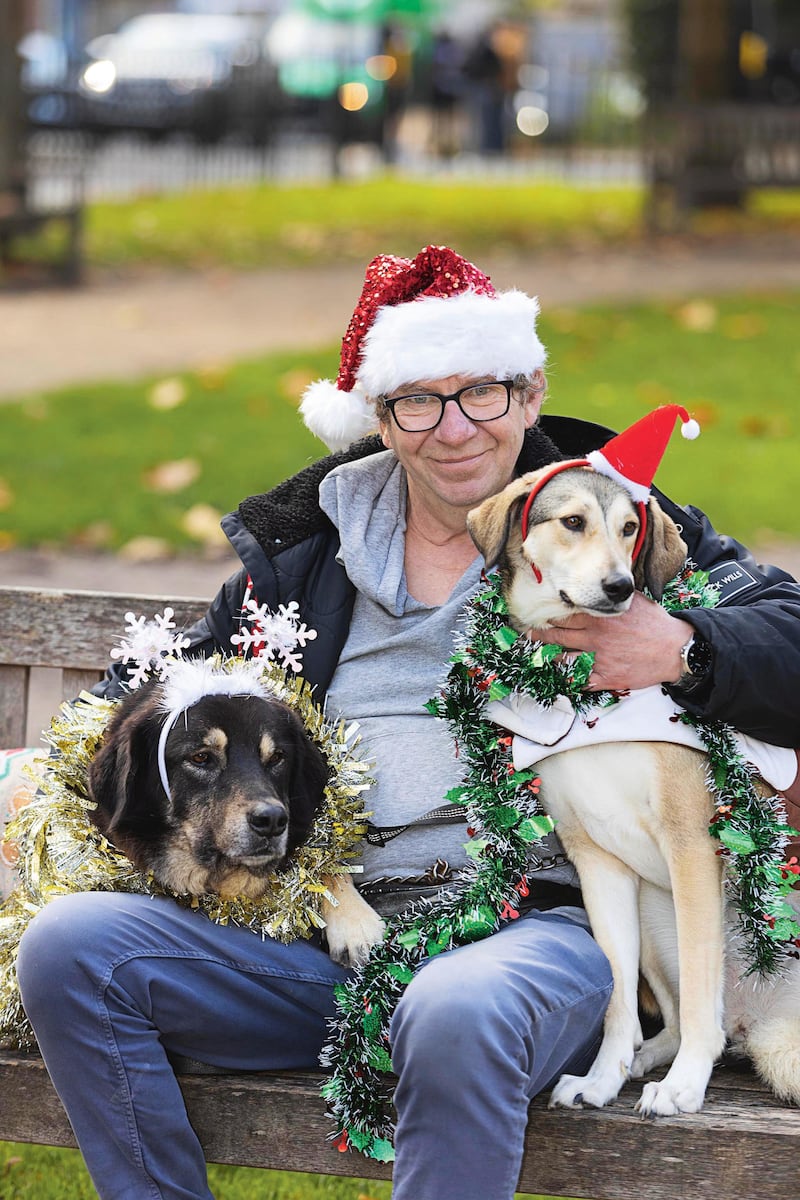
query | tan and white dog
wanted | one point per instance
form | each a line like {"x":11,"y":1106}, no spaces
{"x":651,"y":879}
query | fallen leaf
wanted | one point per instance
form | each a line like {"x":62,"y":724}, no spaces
{"x":293,"y":383}
{"x":167,"y":393}
{"x":698,"y":316}
{"x":213,"y":376}
{"x":145,"y":549}
{"x":704,"y":412}
{"x":654,"y":394}
{"x":743,"y":326}
{"x":201,"y":522}
{"x":95,"y":536}
{"x":173,"y":476}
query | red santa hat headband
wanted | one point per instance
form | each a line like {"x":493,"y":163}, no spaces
{"x":631,"y":458}
{"x":417,"y":319}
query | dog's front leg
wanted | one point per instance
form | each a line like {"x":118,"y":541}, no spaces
{"x":696,"y":876}
{"x":352,"y":927}
{"x":659,"y":965}
{"x":610,"y":894}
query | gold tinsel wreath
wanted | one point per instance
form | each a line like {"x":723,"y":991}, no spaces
{"x":62,"y":852}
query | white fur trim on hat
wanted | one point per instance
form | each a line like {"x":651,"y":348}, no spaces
{"x":492,"y":337}
{"x":637,"y":491}
{"x":337,"y":418}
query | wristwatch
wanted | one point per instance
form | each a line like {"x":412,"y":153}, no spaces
{"x":696,"y":662}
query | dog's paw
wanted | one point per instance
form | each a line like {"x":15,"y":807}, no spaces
{"x":351,"y":936}
{"x":350,"y":942}
{"x":655,"y":1052}
{"x":352,"y":927}
{"x":594,"y":1089}
{"x":668,"y":1100}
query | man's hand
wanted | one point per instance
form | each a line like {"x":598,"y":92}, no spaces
{"x":635,"y":650}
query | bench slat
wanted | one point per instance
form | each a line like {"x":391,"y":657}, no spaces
{"x":13,"y":705}
{"x":742,"y":1145}
{"x":75,"y":630}
{"x":75,"y":682}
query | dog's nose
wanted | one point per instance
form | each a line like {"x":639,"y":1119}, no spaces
{"x":618,"y":588}
{"x":267,"y":820}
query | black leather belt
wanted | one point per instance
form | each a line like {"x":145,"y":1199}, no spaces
{"x":389,"y":894}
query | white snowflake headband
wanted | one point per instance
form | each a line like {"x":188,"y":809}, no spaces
{"x":156,"y":647}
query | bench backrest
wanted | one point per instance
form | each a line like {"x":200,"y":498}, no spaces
{"x":70,"y":633}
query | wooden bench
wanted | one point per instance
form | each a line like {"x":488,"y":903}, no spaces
{"x":742,"y":1146}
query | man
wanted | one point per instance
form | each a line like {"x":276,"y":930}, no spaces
{"x":372,"y":544}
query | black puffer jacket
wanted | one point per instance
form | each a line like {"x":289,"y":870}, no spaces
{"x":288,"y":548}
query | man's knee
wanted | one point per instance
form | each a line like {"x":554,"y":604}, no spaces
{"x":68,"y":940}
{"x":473,"y":1004}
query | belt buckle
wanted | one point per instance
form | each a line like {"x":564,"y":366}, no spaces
{"x":439,"y":872}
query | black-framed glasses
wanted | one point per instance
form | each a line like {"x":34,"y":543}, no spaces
{"x":477,"y":401}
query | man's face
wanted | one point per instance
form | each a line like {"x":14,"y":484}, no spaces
{"x":460,"y":462}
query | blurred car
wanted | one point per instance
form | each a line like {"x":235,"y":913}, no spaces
{"x":194,"y":72}
{"x":50,"y":82}
{"x":331,"y":73}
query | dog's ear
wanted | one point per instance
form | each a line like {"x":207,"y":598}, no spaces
{"x":309,"y":775}
{"x":123,"y":768}
{"x":490,"y":523}
{"x":662,"y":554}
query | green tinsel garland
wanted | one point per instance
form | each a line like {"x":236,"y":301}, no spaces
{"x":504,"y":819}
{"x":61,"y":851}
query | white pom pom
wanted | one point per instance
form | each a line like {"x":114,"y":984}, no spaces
{"x":690,"y":429}
{"x":337,"y":418}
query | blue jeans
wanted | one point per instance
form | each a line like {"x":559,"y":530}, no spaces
{"x":113,"y":984}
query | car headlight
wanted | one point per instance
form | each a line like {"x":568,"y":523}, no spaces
{"x":99,"y":76}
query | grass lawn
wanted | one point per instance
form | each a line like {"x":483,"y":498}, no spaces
{"x":44,"y":1173}
{"x":100,"y":465}
{"x":273,"y":224}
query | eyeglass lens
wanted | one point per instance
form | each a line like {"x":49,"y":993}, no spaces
{"x":479,"y":402}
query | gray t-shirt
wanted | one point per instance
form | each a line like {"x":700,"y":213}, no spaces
{"x":395,"y":658}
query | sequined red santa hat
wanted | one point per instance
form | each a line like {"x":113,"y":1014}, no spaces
{"x":633,"y":456}
{"x":421,"y":319}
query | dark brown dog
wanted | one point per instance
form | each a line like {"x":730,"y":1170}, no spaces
{"x":244,"y":785}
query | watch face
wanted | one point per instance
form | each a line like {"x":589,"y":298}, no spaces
{"x":698,"y":656}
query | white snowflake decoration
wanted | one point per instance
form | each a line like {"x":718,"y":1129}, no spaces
{"x":274,"y":636}
{"x":152,"y":646}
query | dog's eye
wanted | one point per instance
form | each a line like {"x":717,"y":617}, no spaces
{"x":630,"y":528}
{"x":275,"y":759}
{"x":575,"y":523}
{"x":201,"y":757}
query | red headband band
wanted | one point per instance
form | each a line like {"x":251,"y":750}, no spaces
{"x":566,"y":466}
